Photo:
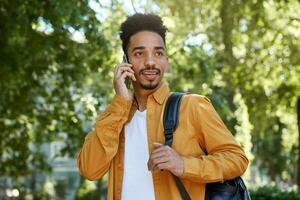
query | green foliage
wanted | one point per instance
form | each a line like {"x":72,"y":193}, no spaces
{"x":243,"y":50}
{"x":47,"y":90}
{"x":273,"y":193}
{"x":89,"y":191}
{"x":243,"y":55}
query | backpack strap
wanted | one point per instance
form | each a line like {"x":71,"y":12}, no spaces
{"x":170,"y":121}
{"x":171,"y":114}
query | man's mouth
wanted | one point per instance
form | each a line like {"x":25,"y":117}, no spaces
{"x":150,"y":74}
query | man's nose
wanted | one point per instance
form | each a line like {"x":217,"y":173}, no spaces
{"x":149,"y":61}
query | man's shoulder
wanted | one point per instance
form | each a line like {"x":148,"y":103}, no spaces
{"x":195,"y":98}
{"x":192,"y":103}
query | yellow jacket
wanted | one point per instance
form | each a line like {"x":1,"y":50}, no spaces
{"x":199,"y":132}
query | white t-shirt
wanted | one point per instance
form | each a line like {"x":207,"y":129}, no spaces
{"x":137,"y":180}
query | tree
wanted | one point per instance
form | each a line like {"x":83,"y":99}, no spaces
{"x":49,"y":79}
{"x":243,"y":54}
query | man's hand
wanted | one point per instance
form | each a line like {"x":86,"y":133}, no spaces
{"x":122,"y":71}
{"x":164,"y":157}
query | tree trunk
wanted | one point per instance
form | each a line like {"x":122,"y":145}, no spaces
{"x":298,"y":115}
{"x":227,"y":26}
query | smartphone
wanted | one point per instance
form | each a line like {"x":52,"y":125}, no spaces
{"x":127,"y":79}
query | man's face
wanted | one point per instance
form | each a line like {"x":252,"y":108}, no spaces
{"x":147,"y":54}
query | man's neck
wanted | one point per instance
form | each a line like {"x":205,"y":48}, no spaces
{"x":141,"y":96}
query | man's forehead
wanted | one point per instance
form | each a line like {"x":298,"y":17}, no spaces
{"x":146,"y":39}
{"x":134,"y":48}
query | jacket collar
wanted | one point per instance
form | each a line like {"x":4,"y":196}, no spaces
{"x":161,"y":93}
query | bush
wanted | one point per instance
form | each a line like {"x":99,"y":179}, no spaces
{"x":89,"y":190}
{"x":273,"y":193}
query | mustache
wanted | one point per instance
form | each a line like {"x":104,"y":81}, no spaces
{"x":149,"y":69}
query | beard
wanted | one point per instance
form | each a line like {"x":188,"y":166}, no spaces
{"x":149,"y":86}
{"x":152,"y":85}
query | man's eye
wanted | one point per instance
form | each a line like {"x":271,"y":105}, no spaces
{"x":159,"y":53}
{"x":138,"y":53}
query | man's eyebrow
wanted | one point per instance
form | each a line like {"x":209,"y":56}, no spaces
{"x":160,"y":47}
{"x":142,"y":47}
{"x":138,"y":48}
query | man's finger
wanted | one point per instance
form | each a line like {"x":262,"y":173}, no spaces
{"x":157,"y":145}
{"x":153,"y":162}
{"x":122,"y":65}
{"x":159,"y":153}
{"x":161,"y":167}
{"x":123,"y":69}
{"x":162,"y":148}
{"x":126,"y":74}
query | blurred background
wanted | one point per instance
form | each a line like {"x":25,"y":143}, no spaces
{"x":56,"y":68}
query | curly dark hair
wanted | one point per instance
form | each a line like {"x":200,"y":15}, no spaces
{"x":141,"y":22}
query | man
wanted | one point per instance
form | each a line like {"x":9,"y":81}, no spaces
{"x":128,"y":137}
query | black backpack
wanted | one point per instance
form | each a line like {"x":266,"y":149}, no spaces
{"x":234,"y":189}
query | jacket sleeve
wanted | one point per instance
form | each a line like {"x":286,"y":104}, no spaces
{"x":225,"y":158}
{"x":101,"y":145}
